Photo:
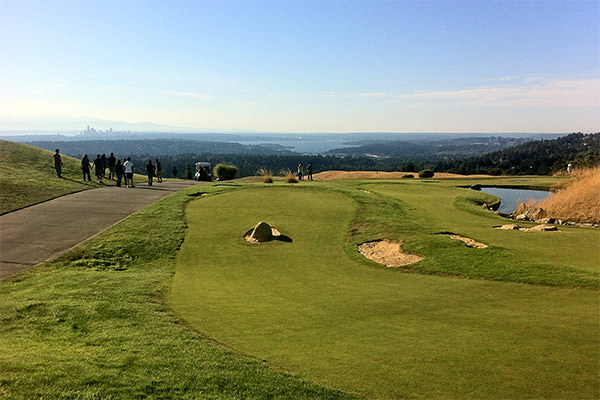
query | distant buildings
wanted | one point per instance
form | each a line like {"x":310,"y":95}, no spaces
{"x":93,"y":133}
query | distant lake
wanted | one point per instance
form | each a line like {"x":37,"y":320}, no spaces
{"x":511,"y":198}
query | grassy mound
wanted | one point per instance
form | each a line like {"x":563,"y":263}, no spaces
{"x":316,"y":307}
{"x":28,"y":177}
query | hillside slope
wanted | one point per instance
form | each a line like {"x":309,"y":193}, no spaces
{"x":27,"y":176}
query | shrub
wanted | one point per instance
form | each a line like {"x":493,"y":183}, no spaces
{"x":225,"y":172}
{"x":289,"y":176}
{"x":267,"y":176}
{"x":188,"y":172}
{"x":426,"y":173}
{"x":408,"y":176}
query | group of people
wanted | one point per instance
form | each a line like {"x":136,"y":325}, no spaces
{"x":302,"y":171}
{"x":119,"y":170}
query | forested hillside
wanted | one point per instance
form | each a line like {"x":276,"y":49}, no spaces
{"x":540,"y":157}
{"x":157,"y":147}
{"x":431,"y":150}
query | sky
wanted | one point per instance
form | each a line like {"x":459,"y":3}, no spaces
{"x":301,"y":66}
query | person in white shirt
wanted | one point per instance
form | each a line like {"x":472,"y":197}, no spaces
{"x":128,"y":167}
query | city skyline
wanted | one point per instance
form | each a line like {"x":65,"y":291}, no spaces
{"x":314,"y":66}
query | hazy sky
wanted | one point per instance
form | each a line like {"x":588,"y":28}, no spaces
{"x":301,"y":66}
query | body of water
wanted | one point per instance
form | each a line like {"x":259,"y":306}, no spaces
{"x":511,"y":198}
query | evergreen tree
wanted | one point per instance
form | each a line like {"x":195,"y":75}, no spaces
{"x":188,"y":172}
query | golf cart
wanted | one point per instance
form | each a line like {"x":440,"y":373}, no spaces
{"x":203,"y":171}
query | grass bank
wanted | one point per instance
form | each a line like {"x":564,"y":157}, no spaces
{"x":27,"y":176}
{"x":93,"y":324}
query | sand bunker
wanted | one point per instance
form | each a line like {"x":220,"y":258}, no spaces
{"x":468,"y":241}
{"x":333,"y":175}
{"x":388,"y":253}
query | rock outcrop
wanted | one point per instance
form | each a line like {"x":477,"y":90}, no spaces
{"x":262,"y":232}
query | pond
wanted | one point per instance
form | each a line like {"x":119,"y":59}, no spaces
{"x":510,"y":198}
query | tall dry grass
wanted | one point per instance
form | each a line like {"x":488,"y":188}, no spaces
{"x":289,"y":176}
{"x":267,"y":176}
{"x":577,"y":200}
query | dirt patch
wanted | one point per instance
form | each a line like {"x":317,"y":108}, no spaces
{"x":333,"y":175}
{"x":388,"y":253}
{"x":468,"y":241}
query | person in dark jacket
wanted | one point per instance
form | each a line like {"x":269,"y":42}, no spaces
{"x":99,"y":168}
{"x":150,"y":171}
{"x":158,"y":171}
{"x":85,"y":167}
{"x":58,"y":164}
{"x":112,"y":162}
{"x":119,"y":172}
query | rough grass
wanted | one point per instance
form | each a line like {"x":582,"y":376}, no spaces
{"x":577,"y":200}
{"x":27,"y":176}
{"x":73,"y":330}
{"x":316,"y":307}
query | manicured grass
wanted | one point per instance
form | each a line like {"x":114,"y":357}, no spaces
{"x":93,"y":325}
{"x":568,"y":257}
{"x":315,"y":307}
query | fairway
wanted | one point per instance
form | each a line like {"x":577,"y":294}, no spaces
{"x":315,"y":308}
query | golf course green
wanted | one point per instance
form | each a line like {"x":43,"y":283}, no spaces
{"x":528,"y":328}
{"x":173,"y":302}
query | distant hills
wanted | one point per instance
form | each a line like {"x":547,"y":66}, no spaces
{"x":456,"y":153}
{"x":157,"y":147}
{"x":431,"y":150}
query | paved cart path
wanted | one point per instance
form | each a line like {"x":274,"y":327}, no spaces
{"x":41,"y":232}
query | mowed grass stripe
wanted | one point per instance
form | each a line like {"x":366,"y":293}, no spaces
{"x":308,"y":307}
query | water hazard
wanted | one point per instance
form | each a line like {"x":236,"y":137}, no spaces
{"x":511,"y":198}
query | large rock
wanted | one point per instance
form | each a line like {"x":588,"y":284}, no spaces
{"x":544,"y":228}
{"x":510,"y":227}
{"x":262,"y":232}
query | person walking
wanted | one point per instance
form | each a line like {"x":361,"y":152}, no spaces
{"x":85,"y":167}
{"x":309,"y":172}
{"x":128,"y":167}
{"x":174,"y":172}
{"x":300,"y":171}
{"x":99,"y":168}
{"x":150,"y":171}
{"x":58,"y":164}
{"x":119,"y":172}
{"x":158,"y":171}
{"x":112,"y":162}
{"x":104,"y":164}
